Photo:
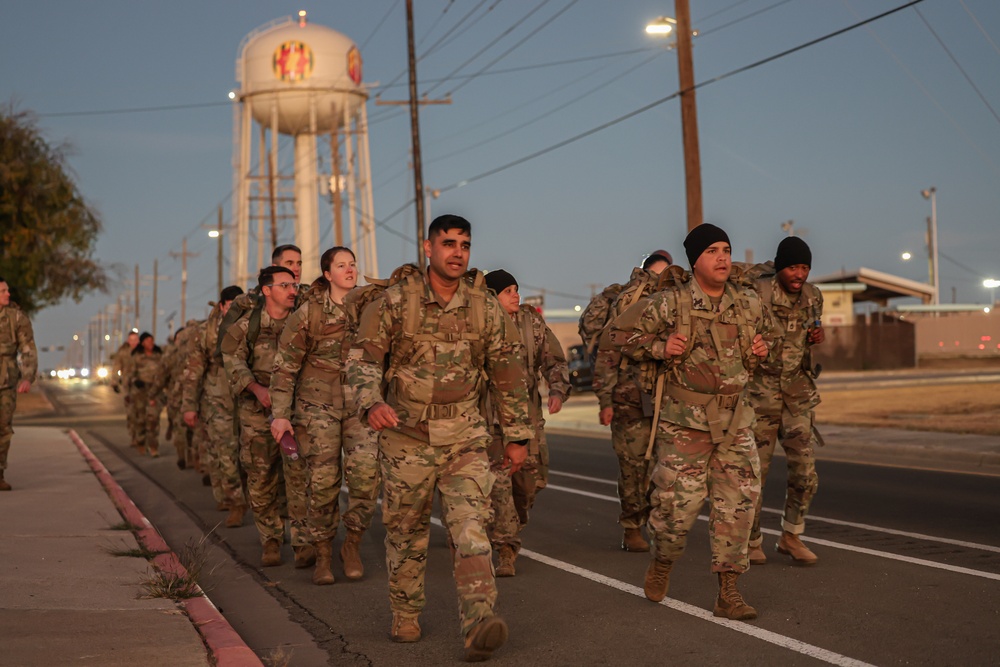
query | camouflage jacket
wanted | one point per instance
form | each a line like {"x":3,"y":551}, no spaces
{"x":121,"y":367}
{"x":203,"y":372}
{"x":308,"y":361}
{"x":242,"y":367}
{"x":145,"y":368}
{"x":784,"y":376}
{"x":616,"y":376}
{"x":175,"y":357}
{"x":544,"y":360}
{"x":716,"y":361}
{"x":435,"y":390}
{"x":18,"y":356}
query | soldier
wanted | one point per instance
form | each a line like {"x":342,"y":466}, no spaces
{"x":623,"y":391}
{"x":206,"y":400}
{"x":147,"y":400}
{"x":290,"y":257}
{"x":248,"y":349}
{"x":121,"y":371}
{"x":165,"y":382}
{"x":513,"y":495}
{"x":307,"y":400}
{"x":18,"y":367}
{"x":783,"y":393}
{"x":709,"y":332}
{"x":440,"y":336}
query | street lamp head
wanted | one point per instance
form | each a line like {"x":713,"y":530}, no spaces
{"x":661,"y":26}
{"x":906,"y":256}
{"x":213,"y":233}
{"x":991,"y":283}
{"x":928,"y":192}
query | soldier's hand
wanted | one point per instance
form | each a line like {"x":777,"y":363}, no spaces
{"x":606,"y":415}
{"x":260,"y":391}
{"x":280,"y":427}
{"x":514,"y":455}
{"x":759,"y":346}
{"x":116,"y":388}
{"x":555,"y":404}
{"x":23,"y":386}
{"x":191,"y":418}
{"x":676,"y":344}
{"x":817,"y":335}
{"x":382,"y":416}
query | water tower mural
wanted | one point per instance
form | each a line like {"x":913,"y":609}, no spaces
{"x":304,"y":81}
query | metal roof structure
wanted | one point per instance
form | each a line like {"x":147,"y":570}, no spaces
{"x":877,"y":286}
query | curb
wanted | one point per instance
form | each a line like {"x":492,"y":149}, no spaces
{"x":227,"y":648}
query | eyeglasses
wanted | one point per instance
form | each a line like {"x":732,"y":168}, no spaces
{"x":286,"y":285}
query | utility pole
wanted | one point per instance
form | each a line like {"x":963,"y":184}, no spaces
{"x":183,"y":255}
{"x":689,"y":114}
{"x":413,"y":103}
{"x":137,"y":297}
{"x":219,"y":258}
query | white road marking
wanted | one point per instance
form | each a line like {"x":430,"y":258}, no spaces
{"x":826,"y":543}
{"x":838,"y":522}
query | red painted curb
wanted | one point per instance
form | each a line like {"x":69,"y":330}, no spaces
{"x":226,"y":646}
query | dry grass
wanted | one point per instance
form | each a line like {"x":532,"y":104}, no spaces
{"x":952,"y":408}
{"x":161,"y":584}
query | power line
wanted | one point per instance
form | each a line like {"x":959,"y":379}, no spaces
{"x":653,"y":105}
{"x":723,"y":10}
{"x":380,"y":23}
{"x":744,"y":18}
{"x":108,"y":112}
{"x":980,"y":26}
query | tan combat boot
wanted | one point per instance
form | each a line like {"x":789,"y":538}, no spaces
{"x":632,"y":540}
{"x":791,"y":545}
{"x":235,"y":518}
{"x":272,"y":554}
{"x":657,"y":580}
{"x":485,"y":637}
{"x":405,"y":629}
{"x":4,"y":485}
{"x":222,"y":506}
{"x":756,"y":553}
{"x":730,"y":604}
{"x":505,"y":561}
{"x":350,"y":555}
{"x":305,"y":556}
{"x":322,"y":576}
{"x":154,"y":451}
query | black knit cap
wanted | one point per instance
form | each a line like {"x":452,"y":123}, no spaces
{"x":499,"y":280}
{"x":699,"y":238}
{"x":791,"y":251}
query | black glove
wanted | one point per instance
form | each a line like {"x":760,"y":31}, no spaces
{"x":117,"y":389}
{"x":138,"y":384}
{"x":523,"y":443}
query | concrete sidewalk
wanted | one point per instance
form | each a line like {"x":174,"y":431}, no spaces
{"x":64,"y":598}
{"x":950,"y":452}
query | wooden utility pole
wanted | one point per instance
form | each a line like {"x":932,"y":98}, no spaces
{"x":338,"y":198}
{"x":689,"y":114}
{"x":219,"y":257}
{"x":414,"y":103}
{"x":184,"y":254}
{"x":156,"y":281}
{"x":136,"y":297}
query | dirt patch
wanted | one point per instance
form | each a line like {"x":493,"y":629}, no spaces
{"x":952,"y":408}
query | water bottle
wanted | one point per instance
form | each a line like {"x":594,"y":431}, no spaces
{"x":289,"y":447}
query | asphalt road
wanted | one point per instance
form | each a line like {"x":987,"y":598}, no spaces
{"x":909,"y":571}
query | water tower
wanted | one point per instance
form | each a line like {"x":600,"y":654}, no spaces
{"x":304,"y":81}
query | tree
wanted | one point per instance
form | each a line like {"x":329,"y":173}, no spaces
{"x":47,"y":230}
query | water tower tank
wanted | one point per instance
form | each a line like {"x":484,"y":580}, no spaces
{"x":286,"y":67}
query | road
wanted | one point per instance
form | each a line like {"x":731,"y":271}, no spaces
{"x":909,"y":571}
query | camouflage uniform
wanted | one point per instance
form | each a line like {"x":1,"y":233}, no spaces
{"x":121,"y":371}
{"x":698,"y":456}
{"x":147,"y":399}
{"x":205,"y":391}
{"x":784,"y":394}
{"x":434,"y":380}
{"x":18,"y":361}
{"x":169,"y":381}
{"x":306,"y":390}
{"x":624,"y":385}
{"x":514,"y":495}
{"x":267,"y":468}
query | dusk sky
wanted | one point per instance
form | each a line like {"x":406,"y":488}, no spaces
{"x":840,"y":137}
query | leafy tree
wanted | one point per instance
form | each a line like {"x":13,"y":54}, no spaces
{"x":47,"y":230}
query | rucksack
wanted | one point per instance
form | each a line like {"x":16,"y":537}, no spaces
{"x":596,"y":315}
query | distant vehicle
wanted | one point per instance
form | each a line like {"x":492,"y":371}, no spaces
{"x":581,"y":368}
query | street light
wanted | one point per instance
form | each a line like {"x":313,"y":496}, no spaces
{"x":689,"y":111}
{"x":992,"y":284}
{"x":906,"y":256}
{"x":932,"y":242}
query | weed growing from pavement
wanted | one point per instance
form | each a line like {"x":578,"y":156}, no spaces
{"x":278,"y":657}
{"x":123,"y":550}
{"x":174,"y":586}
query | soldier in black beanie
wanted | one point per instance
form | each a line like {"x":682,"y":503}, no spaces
{"x":792,"y":251}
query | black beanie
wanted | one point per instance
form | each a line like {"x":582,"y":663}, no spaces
{"x":499,"y":280}
{"x":230,"y":293}
{"x":700,"y":238}
{"x":791,"y":251}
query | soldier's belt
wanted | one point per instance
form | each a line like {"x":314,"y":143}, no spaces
{"x":440,"y":411}
{"x":713,"y":403}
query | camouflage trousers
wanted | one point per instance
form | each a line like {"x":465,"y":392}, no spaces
{"x":630,"y":438}
{"x":146,"y":418}
{"x":795,"y":433}
{"x":411,"y":471}
{"x":690,"y":468}
{"x":216,"y":413}
{"x":504,"y":523}
{"x":324,"y":441}
{"x":8,"y":400}
{"x":267,"y":470}
{"x":129,"y":416}
{"x":532,"y":477}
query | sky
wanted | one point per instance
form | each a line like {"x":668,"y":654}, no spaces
{"x":840,"y":136}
